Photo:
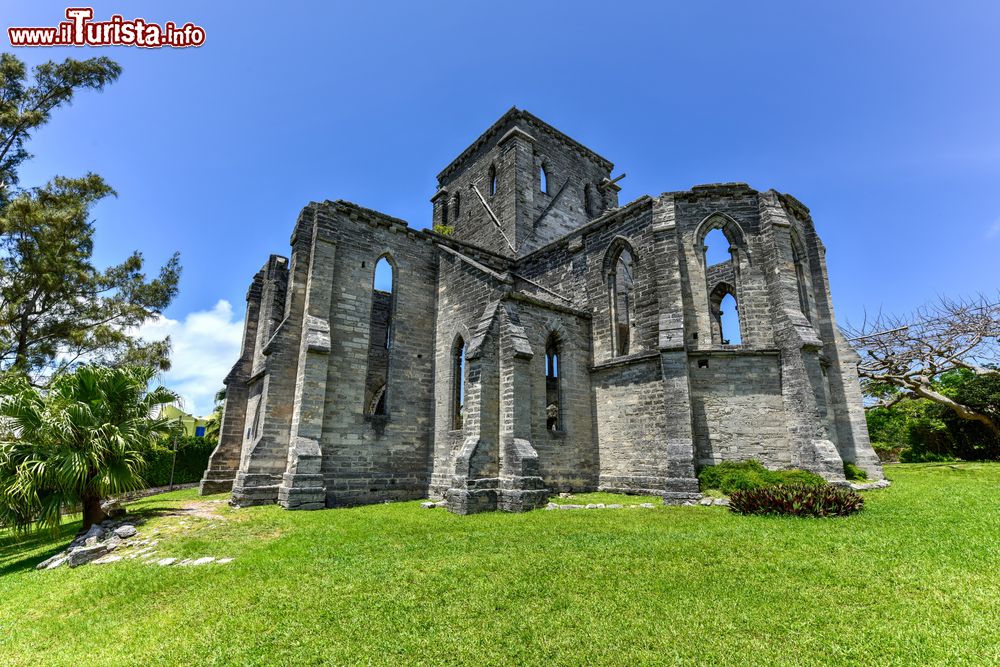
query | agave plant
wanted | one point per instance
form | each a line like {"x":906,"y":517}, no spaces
{"x":75,"y":443}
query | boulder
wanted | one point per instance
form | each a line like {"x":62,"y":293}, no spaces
{"x":126,"y":530}
{"x":44,"y":565}
{"x":80,"y":555}
{"x":113,"y":509}
{"x":57,"y":562}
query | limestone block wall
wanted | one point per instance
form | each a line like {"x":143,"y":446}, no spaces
{"x":370,"y":458}
{"x":568,"y":457}
{"x":737,"y":408}
{"x":467,"y":298}
{"x":734,"y":209}
{"x":628,"y":400}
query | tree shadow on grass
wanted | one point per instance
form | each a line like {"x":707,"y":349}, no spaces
{"x":19,"y":552}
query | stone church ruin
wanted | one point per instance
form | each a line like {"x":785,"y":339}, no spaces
{"x":548,"y":339}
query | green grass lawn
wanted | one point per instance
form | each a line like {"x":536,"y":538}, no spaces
{"x":914,"y":579}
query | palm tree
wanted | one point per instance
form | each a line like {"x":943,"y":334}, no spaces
{"x":77,"y":442}
{"x":213,"y":430}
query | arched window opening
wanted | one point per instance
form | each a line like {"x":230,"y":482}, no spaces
{"x":621,"y":282}
{"x":444,"y":211}
{"x":716,"y":248}
{"x":553,"y":402}
{"x":725,"y":316}
{"x":380,"y":338}
{"x":377,"y":406}
{"x":588,"y":200}
{"x":800,"y":282}
{"x":493,"y":179}
{"x":543,"y":180}
{"x":458,"y":383}
{"x":456,"y":203}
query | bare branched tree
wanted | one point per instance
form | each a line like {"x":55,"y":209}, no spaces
{"x":902,"y":356}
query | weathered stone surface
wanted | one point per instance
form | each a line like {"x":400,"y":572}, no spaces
{"x":109,"y":558}
{"x":166,"y":561}
{"x":516,"y":357}
{"x":125,"y":531}
{"x":81,"y":555}
{"x":114,"y":509}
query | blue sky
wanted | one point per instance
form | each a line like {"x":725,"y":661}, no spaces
{"x":884,"y":118}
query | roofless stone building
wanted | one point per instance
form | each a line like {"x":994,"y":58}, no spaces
{"x":554,"y":341}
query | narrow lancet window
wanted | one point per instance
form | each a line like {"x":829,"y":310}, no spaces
{"x":800,"y":282}
{"x":493,"y":179}
{"x":458,"y":384}
{"x":380,"y":338}
{"x":553,"y":402}
{"x":543,"y":180}
{"x":621,"y":282}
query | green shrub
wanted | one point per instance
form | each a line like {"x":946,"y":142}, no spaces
{"x":730,"y":476}
{"x":797,"y":500}
{"x":888,"y":452}
{"x":920,"y":455}
{"x":802,"y":477}
{"x":853,"y":472}
{"x":192,"y":459}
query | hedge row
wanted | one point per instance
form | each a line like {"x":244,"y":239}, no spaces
{"x":192,"y":459}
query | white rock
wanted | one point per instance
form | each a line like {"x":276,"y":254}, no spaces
{"x":110,"y":558}
{"x":223,"y":561}
{"x":614,"y":507}
{"x":204,"y":560}
{"x":705,"y":501}
{"x":647,"y":505}
{"x":166,"y":561}
{"x":427,"y":505}
{"x":56,"y":563}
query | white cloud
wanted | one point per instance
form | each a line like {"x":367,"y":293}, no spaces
{"x":203,"y":349}
{"x":994,"y":230}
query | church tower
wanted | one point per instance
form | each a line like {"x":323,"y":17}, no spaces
{"x":521,"y":185}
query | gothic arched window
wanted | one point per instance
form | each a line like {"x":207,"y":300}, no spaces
{"x":621,"y":283}
{"x":458,"y":383}
{"x":553,"y":371}
{"x":380,"y":337}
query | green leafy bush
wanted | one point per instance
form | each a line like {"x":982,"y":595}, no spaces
{"x":854,"y":473}
{"x":918,"y":430}
{"x":192,"y":459}
{"x":797,"y":500}
{"x":730,"y":476}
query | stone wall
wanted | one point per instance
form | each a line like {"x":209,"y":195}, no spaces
{"x":737,"y":408}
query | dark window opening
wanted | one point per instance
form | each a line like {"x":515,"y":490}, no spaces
{"x":621,"y":283}
{"x":456,"y":205}
{"x":493,"y":179}
{"x":553,"y":402}
{"x":800,"y":282}
{"x":703,"y":363}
